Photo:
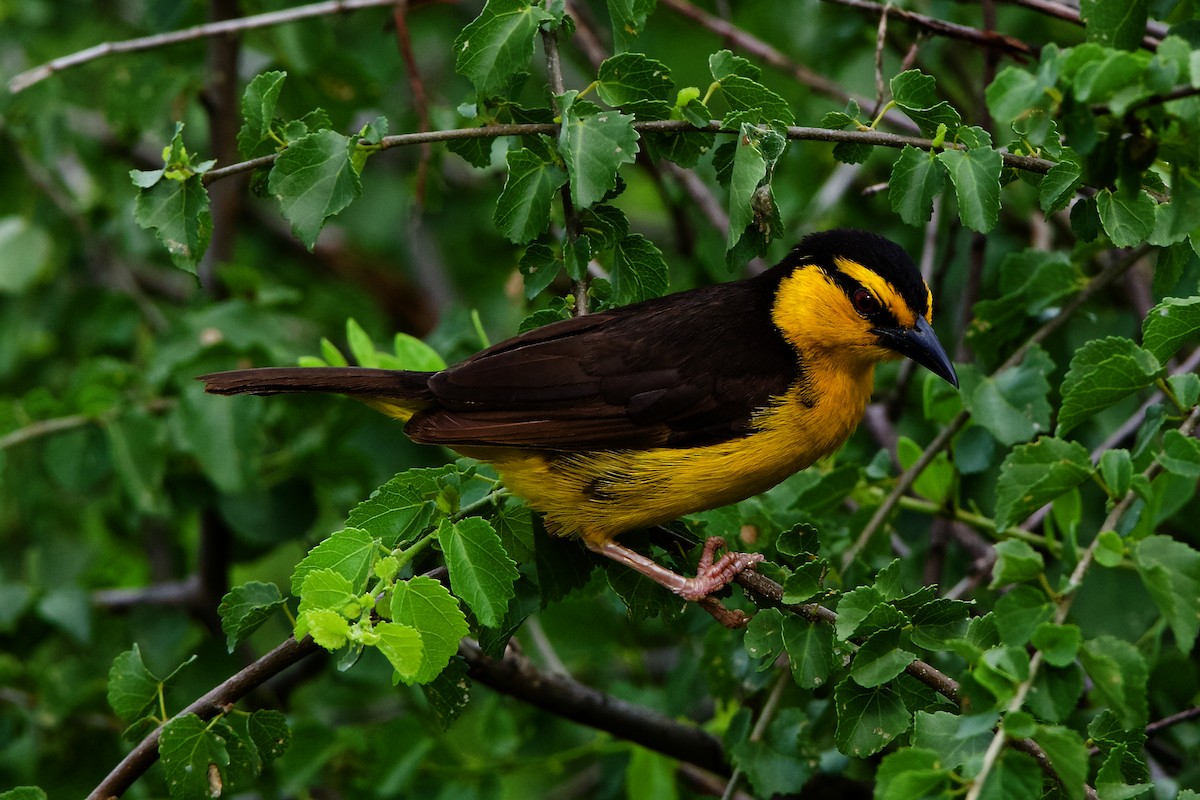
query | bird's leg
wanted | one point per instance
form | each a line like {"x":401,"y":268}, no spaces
{"x":711,"y":575}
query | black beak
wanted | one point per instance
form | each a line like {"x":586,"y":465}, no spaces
{"x":920,"y":344}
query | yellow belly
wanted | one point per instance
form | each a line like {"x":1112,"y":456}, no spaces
{"x":600,"y":494}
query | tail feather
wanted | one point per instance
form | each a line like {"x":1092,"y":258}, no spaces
{"x":408,"y":389}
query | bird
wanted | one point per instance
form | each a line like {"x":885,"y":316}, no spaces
{"x":634,"y":416}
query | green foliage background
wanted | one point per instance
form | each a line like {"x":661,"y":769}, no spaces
{"x":1011,"y":569}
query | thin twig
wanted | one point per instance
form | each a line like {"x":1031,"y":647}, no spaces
{"x":417,"y":87}
{"x":782,"y":681}
{"x":989,"y":39}
{"x":794,"y":132}
{"x":554,"y":75}
{"x":24,"y":80}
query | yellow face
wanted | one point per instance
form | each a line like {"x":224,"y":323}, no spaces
{"x":817,"y":312}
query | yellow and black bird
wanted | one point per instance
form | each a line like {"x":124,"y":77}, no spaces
{"x":638,"y":415}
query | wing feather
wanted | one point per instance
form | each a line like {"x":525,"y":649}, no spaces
{"x":680,"y":371}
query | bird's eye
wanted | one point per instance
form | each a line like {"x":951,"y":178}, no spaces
{"x":865,"y":302}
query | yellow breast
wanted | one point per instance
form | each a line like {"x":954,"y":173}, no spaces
{"x":600,"y":494}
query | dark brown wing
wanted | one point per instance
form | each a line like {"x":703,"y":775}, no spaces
{"x":684,"y":370}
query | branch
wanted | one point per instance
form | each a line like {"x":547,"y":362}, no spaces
{"x":1155,"y":31}
{"x":794,"y":132}
{"x":770,"y":591}
{"x":942,"y":440}
{"x":987,"y":39}
{"x":214,"y":702}
{"x":563,"y":696}
{"x":24,"y":80}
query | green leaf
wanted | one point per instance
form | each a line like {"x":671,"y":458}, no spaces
{"x":313,"y":179}
{"x":28,"y":253}
{"x":1016,"y":561}
{"x":404,"y":507}
{"x":1059,"y":186}
{"x":1102,"y":372}
{"x":270,"y":733}
{"x":639,"y":271}
{"x":636,"y":83}
{"x":426,"y":605}
{"x":854,"y":607}
{"x":217,"y":434}
{"x":498,"y":44}
{"x":594,"y":146}
{"x":194,"y":757}
{"x":449,"y":693}
{"x":132,"y":688}
{"x":413,"y":354}
{"x":539,"y":266}
{"x":325,"y":588}
{"x":916,"y":95}
{"x":628,"y":20}
{"x":751,"y":204}
{"x":481,"y":572}
{"x":917,"y":178}
{"x":245,"y":608}
{"x":804,"y":582}
{"x":880,"y":658}
{"x":523,"y":208}
{"x":177,"y":212}
{"x":752,"y":103}
{"x":911,"y":773}
{"x":775,"y":763}
{"x":868,"y":719}
{"x":1110,"y":549}
{"x":1034,"y":474}
{"x":1180,"y":454}
{"x":258,"y":112}
{"x":24,"y":793}
{"x":1169,"y":325}
{"x":959,"y":740}
{"x":650,"y":776}
{"x":1115,"y":23}
{"x":1068,"y":755}
{"x":936,"y":481}
{"x":975,"y":174}
{"x":809,"y":647}
{"x":327,"y":627}
{"x":135,"y":446}
{"x":724,"y":63}
{"x":764,"y":637}
{"x":402,"y":647}
{"x":1119,"y":677}
{"x":1116,"y":469}
{"x":1059,"y":643}
{"x":938,"y":622}
{"x":1019,"y":612}
{"x":1013,"y":92}
{"x":349,"y":553}
{"x":1127,"y":217}
{"x":1170,"y":571}
{"x":1013,"y":405}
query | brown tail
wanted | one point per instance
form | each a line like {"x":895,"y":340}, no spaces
{"x":410,"y":388}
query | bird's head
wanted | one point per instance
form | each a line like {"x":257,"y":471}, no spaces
{"x":857,"y":297}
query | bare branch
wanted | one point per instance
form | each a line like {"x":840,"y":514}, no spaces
{"x":989,"y":39}
{"x":1155,"y":31}
{"x":563,"y":696}
{"x":24,"y":80}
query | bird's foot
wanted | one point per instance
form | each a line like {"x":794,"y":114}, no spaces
{"x":712,"y":574}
